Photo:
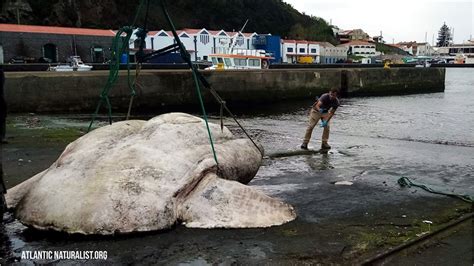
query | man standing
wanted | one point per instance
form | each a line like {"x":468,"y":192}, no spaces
{"x":324,"y":109}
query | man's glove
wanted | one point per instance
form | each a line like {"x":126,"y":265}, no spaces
{"x":324,"y":123}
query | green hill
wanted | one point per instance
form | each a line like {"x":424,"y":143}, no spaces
{"x":265,"y":16}
{"x":388,"y":49}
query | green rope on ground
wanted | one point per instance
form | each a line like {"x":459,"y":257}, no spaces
{"x":406,"y":182}
{"x":120,"y":45}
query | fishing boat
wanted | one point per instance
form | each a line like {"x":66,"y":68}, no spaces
{"x":75,"y":64}
{"x":240,"y":59}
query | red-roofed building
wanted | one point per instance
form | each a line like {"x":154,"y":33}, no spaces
{"x":54,"y":44}
{"x":294,"y":51}
{"x":414,"y":48}
{"x":200,"y":43}
{"x":351,"y":35}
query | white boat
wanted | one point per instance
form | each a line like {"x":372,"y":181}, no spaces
{"x":75,"y":64}
{"x":240,"y":59}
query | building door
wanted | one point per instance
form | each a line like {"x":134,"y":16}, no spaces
{"x":50,"y":51}
{"x":97,"y":54}
{"x":1,"y":55}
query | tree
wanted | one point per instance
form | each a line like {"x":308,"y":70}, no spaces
{"x":444,"y":36}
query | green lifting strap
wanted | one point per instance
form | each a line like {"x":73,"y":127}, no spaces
{"x":406,"y":182}
{"x":120,"y":45}
{"x":185,"y":55}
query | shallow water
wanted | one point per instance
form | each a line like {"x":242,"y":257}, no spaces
{"x":427,"y":137}
{"x":375,"y":140}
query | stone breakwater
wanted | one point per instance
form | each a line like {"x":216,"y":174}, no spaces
{"x":160,"y":89}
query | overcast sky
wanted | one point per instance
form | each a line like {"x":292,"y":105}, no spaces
{"x":399,"y":20}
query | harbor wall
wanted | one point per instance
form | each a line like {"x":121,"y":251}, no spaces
{"x":43,"y":92}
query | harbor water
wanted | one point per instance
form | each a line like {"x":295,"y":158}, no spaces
{"x":428,"y":138}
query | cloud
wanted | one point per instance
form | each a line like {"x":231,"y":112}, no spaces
{"x":402,"y":20}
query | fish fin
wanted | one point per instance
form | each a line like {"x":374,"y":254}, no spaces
{"x":220,"y":203}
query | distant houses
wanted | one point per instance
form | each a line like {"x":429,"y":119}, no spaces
{"x":26,"y":43}
{"x":416,"y":49}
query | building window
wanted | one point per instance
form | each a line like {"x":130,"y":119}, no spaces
{"x":313,"y":50}
{"x":227,"y":61}
{"x":302,"y":50}
{"x":357,"y":46}
{"x":289,"y":49}
{"x":204,"y":38}
{"x":239,"y":41}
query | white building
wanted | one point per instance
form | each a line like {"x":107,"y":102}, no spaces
{"x":331,"y":54}
{"x":424,"y":49}
{"x":361,"y":48}
{"x":288,"y":51}
{"x":200,"y":43}
{"x":294,"y":51}
{"x":416,"y":49}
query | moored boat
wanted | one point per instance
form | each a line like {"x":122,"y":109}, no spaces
{"x":75,"y":64}
{"x":240,"y":59}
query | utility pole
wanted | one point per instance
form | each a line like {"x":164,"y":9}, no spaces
{"x":452,"y":37}
{"x":74,"y":44}
{"x":18,"y":15}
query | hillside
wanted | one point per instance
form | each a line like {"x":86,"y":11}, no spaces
{"x":388,"y":49}
{"x":265,"y":16}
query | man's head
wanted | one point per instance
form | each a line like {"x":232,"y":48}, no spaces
{"x":333,"y":93}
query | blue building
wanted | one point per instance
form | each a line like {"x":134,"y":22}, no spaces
{"x":271,"y":44}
